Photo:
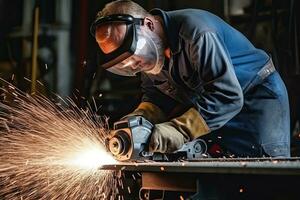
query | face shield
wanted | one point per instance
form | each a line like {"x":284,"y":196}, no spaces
{"x":138,"y":49}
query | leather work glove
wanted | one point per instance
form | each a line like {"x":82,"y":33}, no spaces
{"x":166,"y":138}
{"x":169,"y":136}
{"x":150,"y":111}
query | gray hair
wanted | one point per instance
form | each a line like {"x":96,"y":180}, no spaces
{"x":123,"y":7}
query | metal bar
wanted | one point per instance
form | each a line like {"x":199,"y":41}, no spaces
{"x":63,"y":65}
{"x":296,"y":49}
{"x":221,"y":166}
{"x":34,"y":49}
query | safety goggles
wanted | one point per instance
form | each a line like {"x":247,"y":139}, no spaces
{"x":137,"y":51}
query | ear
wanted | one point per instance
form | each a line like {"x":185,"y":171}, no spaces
{"x":149,"y":23}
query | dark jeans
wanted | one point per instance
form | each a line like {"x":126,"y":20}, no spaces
{"x":263,"y":125}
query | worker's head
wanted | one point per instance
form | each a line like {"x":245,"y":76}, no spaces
{"x":130,"y":39}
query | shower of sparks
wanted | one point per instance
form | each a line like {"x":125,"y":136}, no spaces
{"x":51,"y":150}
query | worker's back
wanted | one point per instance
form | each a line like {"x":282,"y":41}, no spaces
{"x":191,"y":23}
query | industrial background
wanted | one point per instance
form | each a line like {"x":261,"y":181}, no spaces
{"x":67,"y":61}
{"x":67,"y":53}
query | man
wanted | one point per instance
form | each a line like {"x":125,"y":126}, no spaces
{"x":201,"y":78}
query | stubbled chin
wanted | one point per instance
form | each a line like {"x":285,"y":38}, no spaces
{"x":155,"y":70}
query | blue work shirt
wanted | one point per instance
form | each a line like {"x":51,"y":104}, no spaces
{"x":212,"y":66}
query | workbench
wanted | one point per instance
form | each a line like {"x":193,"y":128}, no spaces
{"x":210,"y":178}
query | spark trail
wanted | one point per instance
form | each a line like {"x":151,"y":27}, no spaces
{"x":50,"y":151}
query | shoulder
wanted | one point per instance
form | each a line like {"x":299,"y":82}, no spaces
{"x":192,"y":23}
{"x":185,"y":26}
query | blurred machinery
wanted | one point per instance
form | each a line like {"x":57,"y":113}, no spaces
{"x":53,"y":63}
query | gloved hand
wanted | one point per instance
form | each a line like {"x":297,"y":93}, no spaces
{"x":165,"y":138}
{"x":150,"y":111}
{"x":170,"y":136}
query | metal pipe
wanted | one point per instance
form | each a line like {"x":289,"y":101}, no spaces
{"x":63,"y":62}
{"x":268,"y":166}
{"x":34,"y":49}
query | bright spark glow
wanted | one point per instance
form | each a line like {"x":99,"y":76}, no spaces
{"x":91,"y":158}
{"x":51,"y":150}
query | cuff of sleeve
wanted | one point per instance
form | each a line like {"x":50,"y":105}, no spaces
{"x":151,"y":112}
{"x":192,"y":124}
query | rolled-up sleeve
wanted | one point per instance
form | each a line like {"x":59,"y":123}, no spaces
{"x":219,"y":94}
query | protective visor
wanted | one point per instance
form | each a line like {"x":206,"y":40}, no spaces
{"x":136,"y":53}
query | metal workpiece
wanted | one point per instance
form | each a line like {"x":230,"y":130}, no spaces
{"x":211,"y":178}
{"x":269,"y":166}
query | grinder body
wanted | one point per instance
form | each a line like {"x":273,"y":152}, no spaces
{"x":130,"y":138}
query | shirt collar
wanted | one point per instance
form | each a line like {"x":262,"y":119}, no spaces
{"x":170,"y":28}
